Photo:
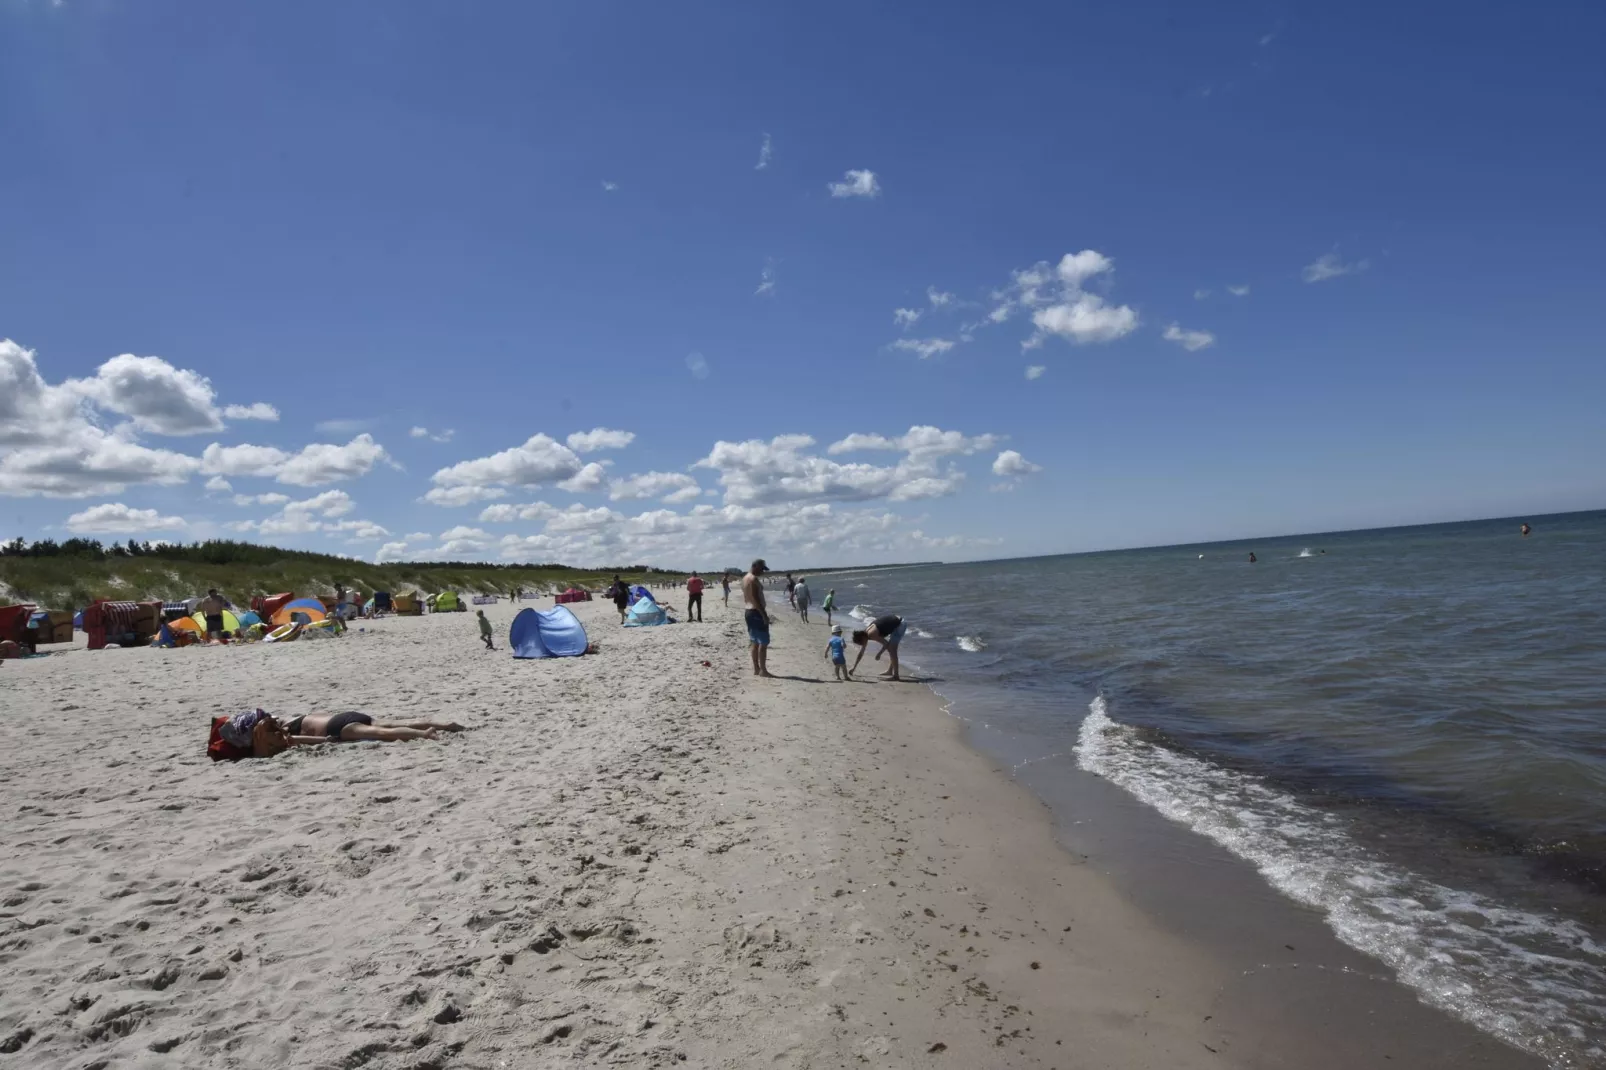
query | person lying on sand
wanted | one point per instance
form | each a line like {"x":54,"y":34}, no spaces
{"x":265,"y":736}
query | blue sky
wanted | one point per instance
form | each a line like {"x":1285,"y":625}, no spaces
{"x":1375,"y":228}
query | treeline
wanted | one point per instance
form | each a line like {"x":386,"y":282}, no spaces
{"x":231,"y":552}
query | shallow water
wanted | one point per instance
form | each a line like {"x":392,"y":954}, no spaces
{"x":1405,"y":729}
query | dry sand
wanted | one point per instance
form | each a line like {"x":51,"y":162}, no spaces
{"x":633,"y":859}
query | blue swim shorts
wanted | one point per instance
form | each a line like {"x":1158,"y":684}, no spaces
{"x":758,"y":628}
{"x":897,"y":633}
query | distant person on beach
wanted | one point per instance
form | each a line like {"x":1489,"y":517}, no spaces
{"x":791,"y":588}
{"x":758,"y":617}
{"x":485,"y":629}
{"x":694,"y":596}
{"x":211,"y":607}
{"x":620,"y":593}
{"x":725,"y":582}
{"x":801,"y":599}
{"x":888,"y":631}
{"x":1251,"y":557}
{"x":829,"y":604}
{"x":1526,"y":530}
{"x":837,"y":651}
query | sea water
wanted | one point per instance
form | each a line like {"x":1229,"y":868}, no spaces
{"x":1404,"y":729}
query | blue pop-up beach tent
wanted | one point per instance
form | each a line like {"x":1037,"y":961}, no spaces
{"x":644,"y":612}
{"x":547,"y":633}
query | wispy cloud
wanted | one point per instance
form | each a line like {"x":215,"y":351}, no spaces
{"x":906,"y":317}
{"x":609,"y":187}
{"x":1239,"y":291}
{"x":1035,"y":371}
{"x":340,"y":426}
{"x":856,"y":184}
{"x":1330,"y":266}
{"x":937,"y":298}
{"x":1200,"y":295}
{"x":697,"y":364}
{"x":764,"y":152}
{"x":433,"y":436}
{"x":1192,"y":341}
{"x":766,"y":281}
{"x":926,"y":348}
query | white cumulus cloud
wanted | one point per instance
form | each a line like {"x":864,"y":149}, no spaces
{"x":539,"y":461}
{"x":1192,"y":341}
{"x":445,"y":435}
{"x":1060,"y":305}
{"x":600,"y":438}
{"x":115,"y":518}
{"x":1011,"y":463}
{"x":668,"y":486}
{"x":260,"y":410}
{"x":906,"y":317}
{"x":1035,"y":371}
{"x":856,"y":184}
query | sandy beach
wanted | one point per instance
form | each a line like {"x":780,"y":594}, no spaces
{"x":645,"y":857}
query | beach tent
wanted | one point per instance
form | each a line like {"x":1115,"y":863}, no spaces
{"x":380,"y":602}
{"x":247,"y":619}
{"x":300,"y":611}
{"x":574,"y":594}
{"x":447,"y":602}
{"x":550,"y":633}
{"x":645,"y":613}
{"x":197,"y":623}
{"x":638,"y":593}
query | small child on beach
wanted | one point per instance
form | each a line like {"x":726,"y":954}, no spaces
{"x":837,"y":652}
{"x":829,"y":604}
{"x":485,"y":630}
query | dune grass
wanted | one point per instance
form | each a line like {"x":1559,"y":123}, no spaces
{"x":72,"y":583}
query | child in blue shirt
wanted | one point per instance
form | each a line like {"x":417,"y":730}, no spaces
{"x":837,"y":652}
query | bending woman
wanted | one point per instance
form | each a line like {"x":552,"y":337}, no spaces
{"x":888,"y":631}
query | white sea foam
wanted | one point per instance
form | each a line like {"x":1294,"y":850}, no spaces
{"x":1527,"y":978}
{"x":862,"y":613}
{"x":921,"y":633}
{"x":860,"y":586}
{"x":970,"y":644}
{"x":1306,"y":552}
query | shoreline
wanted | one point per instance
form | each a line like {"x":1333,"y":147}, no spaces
{"x":632,"y":859}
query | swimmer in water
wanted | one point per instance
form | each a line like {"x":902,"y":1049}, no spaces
{"x":1525,"y":530}
{"x":1251,"y":557}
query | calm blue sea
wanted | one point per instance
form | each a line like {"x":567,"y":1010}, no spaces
{"x":1404,"y":729}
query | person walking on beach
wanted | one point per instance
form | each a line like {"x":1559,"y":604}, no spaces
{"x":888,"y":631}
{"x":758,"y":618}
{"x":694,"y":596}
{"x":837,"y":651}
{"x":801,"y":599}
{"x":620,"y":593}
{"x":791,"y":587}
{"x":725,"y":582}
{"x":485,"y":630}
{"x":211,"y":607}
{"x":829,"y":604}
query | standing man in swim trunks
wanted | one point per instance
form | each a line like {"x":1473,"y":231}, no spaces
{"x":211,"y":607}
{"x":694,"y":597}
{"x":758,"y":618}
